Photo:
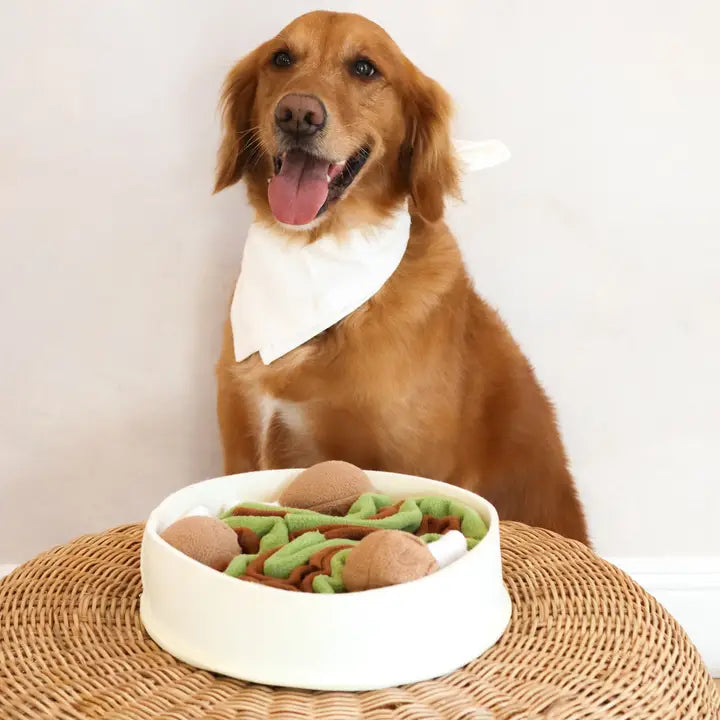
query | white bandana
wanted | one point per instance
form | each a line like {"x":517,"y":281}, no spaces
{"x":288,"y":293}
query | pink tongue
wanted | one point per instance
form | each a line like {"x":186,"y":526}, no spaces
{"x":299,"y":190}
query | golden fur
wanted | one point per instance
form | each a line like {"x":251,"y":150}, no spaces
{"x":423,"y":379}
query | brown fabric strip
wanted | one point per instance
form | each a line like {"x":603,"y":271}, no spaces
{"x":349,"y":532}
{"x":307,"y":582}
{"x":322,"y":558}
{"x":299,"y":573}
{"x":449,"y":522}
{"x":255,"y":568}
{"x":454,"y":523}
{"x":248,"y":540}
{"x":300,"y":578}
{"x":327,"y":558}
{"x":254,"y":572}
{"x":319,"y":564}
{"x":424,"y":525}
{"x":387,"y":511}
{"x":436,"y":525}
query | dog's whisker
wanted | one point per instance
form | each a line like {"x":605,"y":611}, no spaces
{"x":242,"y":133}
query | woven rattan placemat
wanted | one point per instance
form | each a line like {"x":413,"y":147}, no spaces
{"x":584,"y":642}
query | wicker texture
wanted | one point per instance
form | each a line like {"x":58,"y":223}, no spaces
{"x":584,"y":642}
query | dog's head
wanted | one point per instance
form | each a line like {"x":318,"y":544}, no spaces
{"x":330,"y":119}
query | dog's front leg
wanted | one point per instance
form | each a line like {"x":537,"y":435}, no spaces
{"x":236,"y":426}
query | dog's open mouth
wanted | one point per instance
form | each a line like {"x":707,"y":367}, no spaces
{"x":304,"y":185}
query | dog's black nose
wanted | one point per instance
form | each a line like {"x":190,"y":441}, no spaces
{"x":300,"y":115}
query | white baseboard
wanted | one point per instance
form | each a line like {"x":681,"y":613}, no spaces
{"x":689,"y":589}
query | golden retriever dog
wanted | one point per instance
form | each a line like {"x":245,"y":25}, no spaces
{"x":424,"y":378}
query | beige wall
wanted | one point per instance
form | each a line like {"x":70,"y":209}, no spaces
{"x":599,"y":242}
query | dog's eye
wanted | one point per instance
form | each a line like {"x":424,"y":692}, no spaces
{"x":363,"y":68}
{"x":282,"y":59}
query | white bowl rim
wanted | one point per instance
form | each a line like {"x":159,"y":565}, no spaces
{"x":491,"y":522}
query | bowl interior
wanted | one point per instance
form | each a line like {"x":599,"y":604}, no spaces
{"x":266,"y":486}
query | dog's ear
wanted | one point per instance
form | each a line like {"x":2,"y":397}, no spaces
{"x":237,"y":101}
{"x":431,"y":163}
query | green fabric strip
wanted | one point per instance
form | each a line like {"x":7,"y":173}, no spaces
{"x":273,"y":531}
{"x":407,"y":518}
{"x":368,"y":504}
{"x":238,"y":565}
{"x":471,"y":524}
{"x":298,"y":552}
{"x":333,"y":583}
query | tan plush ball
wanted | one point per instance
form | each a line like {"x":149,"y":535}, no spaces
{"x":205,"y":539}
{"x":329,"y":487}
{"x":387,"y":557}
